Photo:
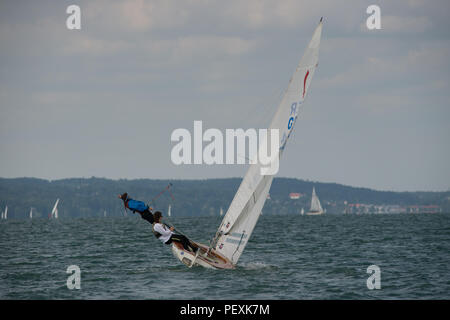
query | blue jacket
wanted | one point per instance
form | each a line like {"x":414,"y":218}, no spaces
{"x":135,"y":205}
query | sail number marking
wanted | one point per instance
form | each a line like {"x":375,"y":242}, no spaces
{"x":291,"y":121}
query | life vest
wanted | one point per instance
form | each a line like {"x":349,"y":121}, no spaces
{"x":135,"y":205}
{"x":156,"y":233}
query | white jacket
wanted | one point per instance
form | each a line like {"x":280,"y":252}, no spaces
{"x":164,"y":231}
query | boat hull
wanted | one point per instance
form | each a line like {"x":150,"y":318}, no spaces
{"x":314,"y":213}
{"x":209,"y":260}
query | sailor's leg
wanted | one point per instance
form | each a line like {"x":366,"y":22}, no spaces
{"x":147,"y":215}
{"x":184,"y":241}
{"x":179,"y":238}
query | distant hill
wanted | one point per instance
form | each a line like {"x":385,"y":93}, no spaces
{"x":91,"y":197}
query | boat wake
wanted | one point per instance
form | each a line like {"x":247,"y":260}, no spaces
{"x":257,"y":266}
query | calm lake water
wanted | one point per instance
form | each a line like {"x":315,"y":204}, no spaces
{"x":288,"y":257}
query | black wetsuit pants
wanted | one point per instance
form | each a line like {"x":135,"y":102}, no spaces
{"x":147,"y":215}
{"x":183,"y":240}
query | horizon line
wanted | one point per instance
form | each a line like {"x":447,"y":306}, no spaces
{"x":198,"y":179}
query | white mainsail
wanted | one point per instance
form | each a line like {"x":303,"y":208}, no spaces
{"x":245,"y":209}
{"x":169,"y":211}
{"x":31,"y":213}
{"x":316,"y":208}
{"x":5,"y":213}
{"x":221,"y":211}
{"x":55,"y":210}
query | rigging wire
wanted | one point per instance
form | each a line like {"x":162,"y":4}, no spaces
{"x":166,"y":218}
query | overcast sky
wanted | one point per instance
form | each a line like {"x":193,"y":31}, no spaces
{"x":103,"y":101}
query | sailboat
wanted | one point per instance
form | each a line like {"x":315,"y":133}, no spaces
{"x":54,"y":213}
{"x":169,"y":211}
{"x":302,"y":212}
{"x":221,"y":211}
{"x":316,"y":208}
{"x":5,"y":213}
{"x":31,"y":213}
{"x":237,"y":225}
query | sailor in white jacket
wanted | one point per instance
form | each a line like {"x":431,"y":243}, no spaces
{"x":167,"y":236}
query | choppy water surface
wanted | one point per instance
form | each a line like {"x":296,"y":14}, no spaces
{"x":288,"y":257}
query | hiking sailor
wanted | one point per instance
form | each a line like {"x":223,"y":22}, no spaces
{"x":139,"y":206}
{"x":166,"y":235}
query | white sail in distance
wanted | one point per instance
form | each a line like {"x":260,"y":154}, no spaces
{"x":169,"y":211}
{"x":315,"y":203}
{"x":31,"y":213}
{"x":245,"y":208}
{"x":6,"y":213}
{"x":55,"y":210}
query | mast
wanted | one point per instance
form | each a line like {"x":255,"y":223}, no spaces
{"x":245,"y":208}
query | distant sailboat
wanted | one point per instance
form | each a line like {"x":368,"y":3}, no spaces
{"x":5,"y":213}
{"x":54,"y":213}
{"x":169,"y":213}
{"x":316,"y":208}
{"x":221,"y":211}
{"x":31,"y":213}
{"x":104,"y":213}
{"x":302,"y":212}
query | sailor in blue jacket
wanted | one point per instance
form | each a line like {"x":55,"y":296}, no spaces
{"x":138,"y":206}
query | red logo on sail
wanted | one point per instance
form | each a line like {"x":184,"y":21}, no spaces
{"x":304,"y":83}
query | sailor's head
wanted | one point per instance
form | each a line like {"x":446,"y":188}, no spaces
{"x":124,"y":196}
{"x":157,"y":216}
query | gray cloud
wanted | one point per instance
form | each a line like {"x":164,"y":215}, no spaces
{"x":104,"y":100}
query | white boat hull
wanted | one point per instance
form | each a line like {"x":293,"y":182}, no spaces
{"x":212,"y":260}
{"x":314,"y":213}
